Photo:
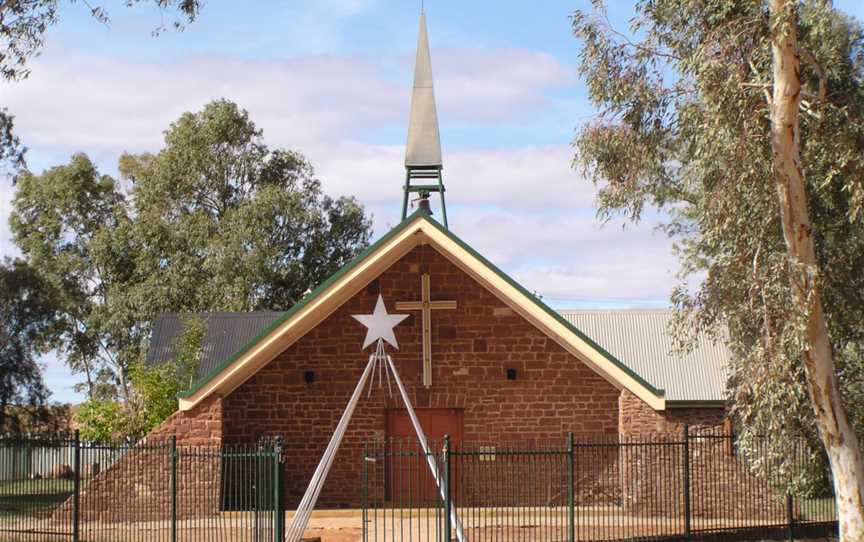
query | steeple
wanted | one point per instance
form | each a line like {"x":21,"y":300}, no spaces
{"x":423,"y":151}
{"x":424,"y":143}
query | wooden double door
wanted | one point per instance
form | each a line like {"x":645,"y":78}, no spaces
{"x":408,"y":478}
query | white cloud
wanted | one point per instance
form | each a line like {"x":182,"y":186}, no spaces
{"x":523,"y":206}
{"x":569,"y":257}
{"x":522,"y":177}
{"x":96,"y":103}
{"x":496,"y":84}
{"x":109,"y":104}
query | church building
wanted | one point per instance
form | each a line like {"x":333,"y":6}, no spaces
{"x":483,"y":359}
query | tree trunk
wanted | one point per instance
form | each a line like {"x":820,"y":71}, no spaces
{"x":841,"y":443}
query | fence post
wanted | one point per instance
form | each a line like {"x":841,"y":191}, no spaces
{"x":446,"y":487}
{"x":278,"y":505}
{"x":687,"y":481}
{"x":173,"y":486}
{"x":571,"y":500}
{"x":365,"y":493}
{"x":790,"y":516}
{"x":76,"y":490}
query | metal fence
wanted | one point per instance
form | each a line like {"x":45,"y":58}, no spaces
{"x":605,"y":488}
{"x":64,"y":489}
{"x":610,"y":488}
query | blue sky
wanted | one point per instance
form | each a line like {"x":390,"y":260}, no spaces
{"x":332,"y":79}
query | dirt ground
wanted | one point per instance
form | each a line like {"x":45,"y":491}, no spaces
{"x":518,"y":525}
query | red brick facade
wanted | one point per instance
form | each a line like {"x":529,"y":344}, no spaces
{"x":473,"y":346}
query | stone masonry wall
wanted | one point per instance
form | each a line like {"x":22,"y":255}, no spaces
{"x":140,"y":479}
{"x":472,"y":348}
{"x":721,"y":486}
{"x":635,"y":418}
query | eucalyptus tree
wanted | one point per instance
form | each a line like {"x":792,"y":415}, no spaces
{"x":743,"y":122}
{"x":25,"y":315}
{"x":215,"y":221}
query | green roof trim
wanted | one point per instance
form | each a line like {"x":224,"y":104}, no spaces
{"x":419,"y":213}
{"x":198,"y":384}
{"x":706,"y":403}
{"x":548,"y":309}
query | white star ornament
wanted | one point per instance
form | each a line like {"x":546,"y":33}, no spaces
{"x":379,"y":324}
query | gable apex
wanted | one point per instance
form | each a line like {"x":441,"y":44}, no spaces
{"x":417,"y":229}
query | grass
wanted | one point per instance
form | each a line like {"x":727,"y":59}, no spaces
{"x":34,"y":487}
{"x":32,"y":498}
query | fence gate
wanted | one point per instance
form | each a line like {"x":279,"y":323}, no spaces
{"x":63,"y":489}
{"x":499,"y":493}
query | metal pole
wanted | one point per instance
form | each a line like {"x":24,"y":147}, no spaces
{"x":278,"y":505}
{"x":686,"y":481}
{"x":76,"y":495}
{"x":365,"y":495}
{"x":443,"y":202}
{"x":446,"y":486}
{"x":406,"y":189}
{"x":173,"y":485}
{"x":790,"y":516}
{"x":571,"y":500}
{"x":257,"y":489}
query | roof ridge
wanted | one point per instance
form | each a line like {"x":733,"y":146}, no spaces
{"x":616,"y":311}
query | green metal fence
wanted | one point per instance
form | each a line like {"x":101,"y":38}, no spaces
{"x":65,"y":489}
{"x":603,"y":488}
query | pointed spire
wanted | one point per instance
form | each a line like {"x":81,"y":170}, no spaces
{"x":424,"y":143}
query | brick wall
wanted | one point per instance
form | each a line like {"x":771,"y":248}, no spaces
{"x":636,"y":418}
{"x":721,"y":486}
{"x":198,"y":426}
{"x":473,"y":346}
{"x":141,"y":477}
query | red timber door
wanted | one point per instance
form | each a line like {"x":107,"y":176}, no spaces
{"x":408,"y":477}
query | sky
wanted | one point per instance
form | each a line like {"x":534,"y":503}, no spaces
{"x":332,"y":79}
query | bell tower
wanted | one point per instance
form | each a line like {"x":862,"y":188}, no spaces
{"x":423,"y":162}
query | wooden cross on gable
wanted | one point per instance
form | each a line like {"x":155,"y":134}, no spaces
{"x":426,"y":305}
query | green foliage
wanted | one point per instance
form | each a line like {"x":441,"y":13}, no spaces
{"x":152,"y":397}
{"x":156,"y":387}
{"x":64,"y":222}
{"x":11,"y":150}
{"x":101,"y":420}
{"x":215,"y":221}
{"x":684,"y":128}
{"x":45,"y":419}
{"x":25,"y":315}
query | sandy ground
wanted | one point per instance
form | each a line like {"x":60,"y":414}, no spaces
{"x":515,"y":525}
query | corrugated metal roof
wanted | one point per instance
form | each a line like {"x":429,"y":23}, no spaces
{"x":641,"y":340}
{"x":226,"y":333}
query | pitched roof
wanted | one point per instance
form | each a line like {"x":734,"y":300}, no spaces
{"x":225,"y":333}
{"x":638,"y":338}
{"x":642,"y":340}
{"x":418,"y":228}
